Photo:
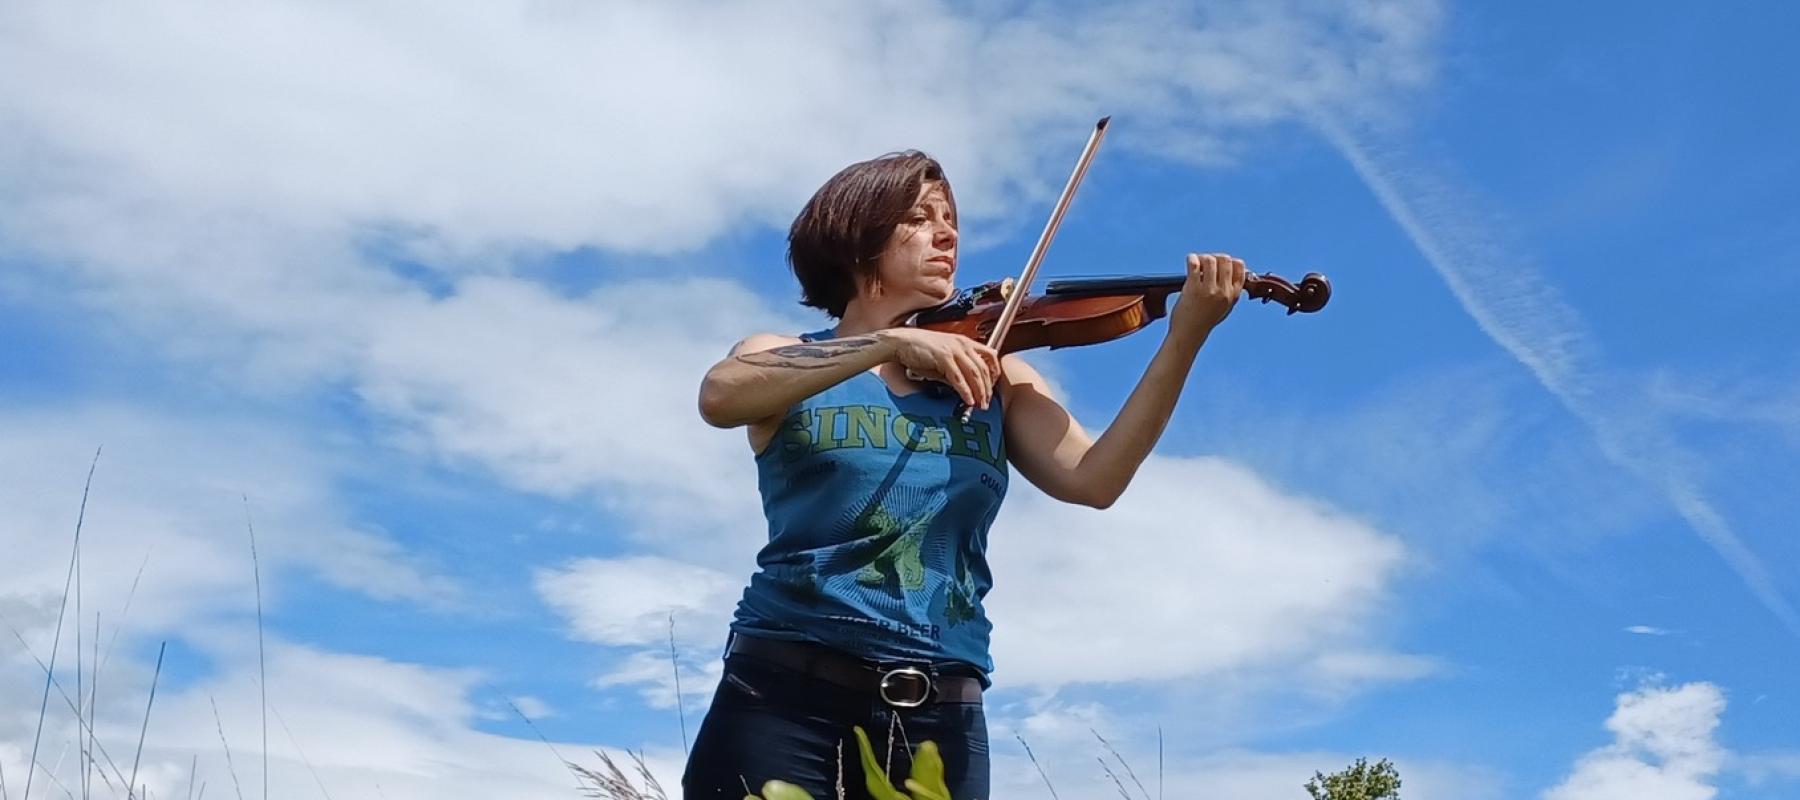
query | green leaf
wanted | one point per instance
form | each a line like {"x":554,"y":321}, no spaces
{"x":923,"y":792}
{"x":927,"y":781}
{"x":877,"y":780}
{"x":782,"y":790}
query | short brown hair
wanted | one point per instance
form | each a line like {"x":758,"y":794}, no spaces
{"x":838,"y":236}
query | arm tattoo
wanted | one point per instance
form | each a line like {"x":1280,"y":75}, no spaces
{"x":809,"y":355}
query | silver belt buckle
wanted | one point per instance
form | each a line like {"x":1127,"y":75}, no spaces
{"x":899,"y":676}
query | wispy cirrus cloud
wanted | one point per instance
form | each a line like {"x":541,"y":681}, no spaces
{"x":1521,"y":310}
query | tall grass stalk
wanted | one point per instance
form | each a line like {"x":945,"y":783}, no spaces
{"x":136,"y":758}
{"x":51,"y":774}
{"x":612,"y":783}
{"x":56,"y":640}
{"x":63,"y":692}
{"x":87,"y":772}
{"x":80,"y":695}
{"x":567,"y":764}
{"x":62,"y":756}
{"x":303,"y":759}
{"x":1115,"y":777}
{"x":262,"y":670}
{"x":674,"y":664}
{"x":229,"y":767}
{"x":1040,"y":767}
{"x":92,"y":703}
{"x":99,"y":664}
{"x":129,"y":596}
{"x":1122,"y":763}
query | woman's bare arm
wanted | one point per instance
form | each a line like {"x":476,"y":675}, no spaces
{"x":1050,"y":448}
{"x":766,"y":374}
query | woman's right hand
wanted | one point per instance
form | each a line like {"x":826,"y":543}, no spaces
{"x":968,"y":366}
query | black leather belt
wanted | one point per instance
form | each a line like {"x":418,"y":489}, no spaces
{"x":900,"y":685}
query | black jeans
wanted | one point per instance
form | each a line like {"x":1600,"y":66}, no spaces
{"x":769,"y":722}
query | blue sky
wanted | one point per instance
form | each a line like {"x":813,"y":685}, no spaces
{"x":432,"y":290}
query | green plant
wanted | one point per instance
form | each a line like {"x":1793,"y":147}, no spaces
{"x":780,"y":790}
{"x":926,"y":783}
{"x":1359,"y":781}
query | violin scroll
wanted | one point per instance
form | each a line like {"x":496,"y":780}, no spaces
{"x":1311,"y":295}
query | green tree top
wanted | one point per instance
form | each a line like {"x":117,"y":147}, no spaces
{"x":1359,"y":781}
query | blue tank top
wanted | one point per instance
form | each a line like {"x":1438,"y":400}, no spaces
{"x":878,"y":507}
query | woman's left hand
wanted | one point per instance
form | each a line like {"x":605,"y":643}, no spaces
{"x":1214,"y":283}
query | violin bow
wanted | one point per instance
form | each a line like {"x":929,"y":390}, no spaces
{"x":1016,"y":297}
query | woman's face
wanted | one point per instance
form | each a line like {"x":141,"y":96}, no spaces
{"x":920,"y":260}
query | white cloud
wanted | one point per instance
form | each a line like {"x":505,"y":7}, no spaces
{"x":168,"y":497}
{"x":631,"y":601}
{"x":1350,"y":668}
{"x":1647,"y":630}
{"x":1663,"y":748}
{"x":1200,"y":569}
{"x":1762,"y":768}
{"x":592,"y":396}
{"x":358,"y":725}
{"x":653,"y":675}
{"x":652,"y":606}
{"x":532,"y":707}
{"x":236,"y":199}
{"x":169,"y":487}
{"x":642,"y":126}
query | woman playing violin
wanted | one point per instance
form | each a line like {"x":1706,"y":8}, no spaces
{"x":866,"y":608}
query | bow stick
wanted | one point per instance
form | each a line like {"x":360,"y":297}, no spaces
{"x":1023,"y":285}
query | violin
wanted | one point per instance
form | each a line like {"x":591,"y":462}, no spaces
{"x":1082,"y":311}
{"x":1085,"y":311}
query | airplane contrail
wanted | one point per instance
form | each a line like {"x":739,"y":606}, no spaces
{"x":1515,"y":306}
